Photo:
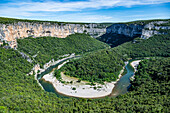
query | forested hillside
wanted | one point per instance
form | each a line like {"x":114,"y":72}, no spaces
{"x":47,"y":48}
{"x":115,"y":39}
{"x":21,"y":93}
{"x":106,"y":65}
{"x":157,"y":45}
{"x":149,"y":92}
{"x":100,"y":66}
{"x":120,"y":33}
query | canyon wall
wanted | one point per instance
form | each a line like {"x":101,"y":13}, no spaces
{"x":154,"y":28}
{"x":11,"y":32}
{"x":124,"y":29}
{"x":142,"y":30}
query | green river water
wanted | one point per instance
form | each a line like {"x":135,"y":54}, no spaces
{"x":121,"y":86}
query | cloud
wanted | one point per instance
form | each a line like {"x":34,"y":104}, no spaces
{"x":77,"y":5}
{"x":84,"y":17}
{"x":61,"y":10}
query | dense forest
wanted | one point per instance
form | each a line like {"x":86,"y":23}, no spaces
{"x":21,"y":93}
{"x":149,"y":92}
{"x":114,"y":39}
{"x":158,"y":45}
{"x":105,"y":65}
{"x":100,"y":66}
{"x":47,"y":48}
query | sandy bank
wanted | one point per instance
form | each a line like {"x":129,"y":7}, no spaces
{"x":39,"y":70}
{"x":81,"y":89}
{"x":134,"y":64}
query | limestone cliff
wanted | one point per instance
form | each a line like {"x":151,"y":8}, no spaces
{"x":119,"y":33}
{"x":11,"y":32}
{"x":124,"y":29}
{"x":143,"y":30}
{"x":154,"y":28}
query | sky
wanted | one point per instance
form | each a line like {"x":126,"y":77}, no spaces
{"x":86,"y":10}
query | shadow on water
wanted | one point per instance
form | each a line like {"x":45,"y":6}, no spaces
{"x":49,"y":88}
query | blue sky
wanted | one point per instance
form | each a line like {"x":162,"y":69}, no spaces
{"x":86,"y":10}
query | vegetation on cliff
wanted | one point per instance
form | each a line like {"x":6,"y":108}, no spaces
{"x":157,"y":45}
{"x":114,"y":39}
{"x":5,"y":20}
{"x":105,"y":65}
{"x":144,"y":22}
{"x":47,"y":48}
{"x":149,"y":92}
{"x":21,"y":93}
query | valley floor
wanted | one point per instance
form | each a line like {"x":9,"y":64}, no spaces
{"x":82,"y":89}
{"x":71,"y":87}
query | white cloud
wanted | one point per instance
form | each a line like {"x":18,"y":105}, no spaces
{"x":50,"y":9}
{"x":83,"y":17}
{"x":76,"y":6}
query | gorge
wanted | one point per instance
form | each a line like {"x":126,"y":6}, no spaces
{"x":119,"y":33}
{"x":35,"y":56}
{"x":83,"y":90}
{"x":10,"y":32}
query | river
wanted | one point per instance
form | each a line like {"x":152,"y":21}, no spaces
{"x":121,"y":86}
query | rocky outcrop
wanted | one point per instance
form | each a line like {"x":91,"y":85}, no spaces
{"x":11,"y":32}
{"x":142,"y":30}
{"x":154,"y":28}
{"x":131,"y":30}
{"x":26,"y":57}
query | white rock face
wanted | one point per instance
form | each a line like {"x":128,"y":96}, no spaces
{"x":148,"y":33}
{"x":11,"y":32}
{"x":143,"y":31}
{"x":153,"y":28}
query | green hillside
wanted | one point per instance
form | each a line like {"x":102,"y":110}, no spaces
{"x":114,"y":39}
{"x":98,"y":66}
{"x":149,"y":93}
{"x":21,"y":93}
{"x":106,"y":64}
{"x":157,"y":45}
{"x":47,"y":48}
